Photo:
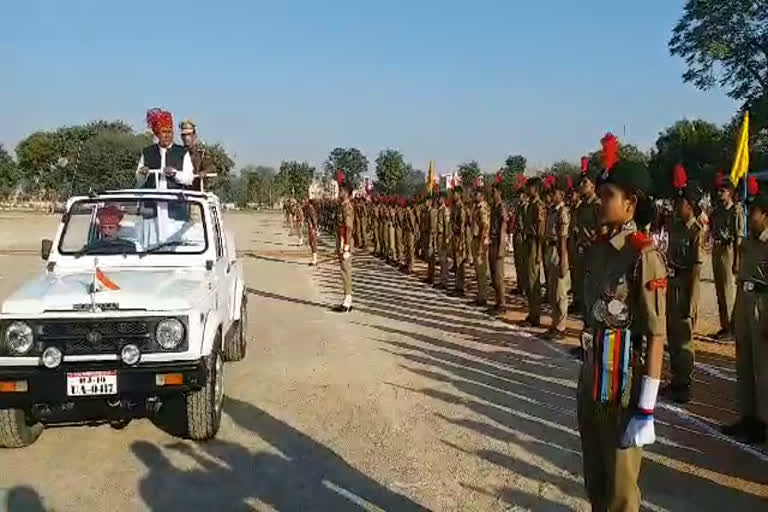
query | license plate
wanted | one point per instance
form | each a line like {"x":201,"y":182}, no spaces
{"x":92,"y":383}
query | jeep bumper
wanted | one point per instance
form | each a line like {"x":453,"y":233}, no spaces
{"x":44,"y":386}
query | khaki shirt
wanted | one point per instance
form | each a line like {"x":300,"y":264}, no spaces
{"x":686,"y":244}
{"x":534,"y":218}
{"x":346,"y":224}
{"x":754,"y":259}
{"x":481,"y":221}
{"x":311,"y":216}
{"x":458,"y":221}
{"x":727,"y":224}
{"x":586,"y":223}
{"x":498,"y":227}
{"x":443,"y":224}
{"x":629,"y":268}
{"x":558,"y":222}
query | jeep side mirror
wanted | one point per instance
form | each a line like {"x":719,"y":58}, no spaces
{"x":45,"y":248}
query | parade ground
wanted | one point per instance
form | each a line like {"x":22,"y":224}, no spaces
{"x":413,"y":401}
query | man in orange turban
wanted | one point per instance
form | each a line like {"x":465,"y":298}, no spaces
{"x":172,"y":159}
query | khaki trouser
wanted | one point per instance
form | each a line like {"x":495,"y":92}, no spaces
{"x":531,"y":255}
{"x":610,"y":472}
{"x":313,"y":239}
{"x":346,"y":273}
{"x":521,"y":270}
{"x":480,"y":255}
{"x":443,"y":255}
{"x":410,"y":250}
{"x":577,"y":274}
{"x":682,"y":304}
{"x":399,"y":252}
{"x":750,"y":317}
{"x":557,"y":287}
{"x":469,"y":255}
{"x":725,"y":282}
{"x":391,"y":249}
{"x":459,"y":258}
{"x":496,"y":261}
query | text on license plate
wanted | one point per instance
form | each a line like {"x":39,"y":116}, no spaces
{"x":92,"y":383}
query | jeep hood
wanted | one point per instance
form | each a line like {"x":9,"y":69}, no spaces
{"x":141,"y":289}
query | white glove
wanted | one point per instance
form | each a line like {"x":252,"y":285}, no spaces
{"x":346,"y":255}
{"x":640,"y":429}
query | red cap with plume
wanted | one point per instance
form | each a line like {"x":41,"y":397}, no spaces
{"x":752,"y":186}
{"x":584,"y":164}
{"x":340,"y":177}
{"x":549,"y":181}
{"x":453,"y":182}
{"x":569,"y":181}
{"x":158,"y":119}
{"x":109,"y":215}
{"x":520,"y":181}
{"x":497,"y":179}
{"x":719,"y":179}
{"x":403,"y":201}
{"x":679,"y":177}
{"x":610,"y":150}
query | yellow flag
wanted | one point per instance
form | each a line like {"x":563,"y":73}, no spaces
{"x":741,"y":161}
{"x":431,"y":174}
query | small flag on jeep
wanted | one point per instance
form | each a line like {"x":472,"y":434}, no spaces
{"x":102,"y":282}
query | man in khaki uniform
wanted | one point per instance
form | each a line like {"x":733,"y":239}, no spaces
{"x":750,"y":321}
{"x":481,"y":239}
{"x":310,"y":213}
{"x":201,"y":160}
{"x":392,"y":256}
{"x":498,"y":247}
{"x":586,"y":227}
{"x":409,"y":231}
{"x":685,"y":256}
{"x":458,"y":221}
{"x":727,"y":226}
{"x":533,"y":236}
{"x":430,"y":228}
{"x":521,"y":263}
{"x":555,"y":255}
{"x":443,"y":239}
{"x":625,"y":290}
{"x":345,"y":244}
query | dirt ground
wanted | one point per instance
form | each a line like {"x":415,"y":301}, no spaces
{"x":414,"y":401}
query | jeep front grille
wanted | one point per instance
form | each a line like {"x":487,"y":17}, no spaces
{"x":86,"y":337}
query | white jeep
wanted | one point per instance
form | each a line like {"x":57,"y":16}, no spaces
{"x":141,"y":301}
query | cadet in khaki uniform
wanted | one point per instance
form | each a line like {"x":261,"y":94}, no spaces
{"x":481,"y":240}
{"x":443,"y":239}
{"x":392,"y":256}
{"x":409,"y":229}
{"x":728,"y":232}
{"x":750,"y":321}
{"x":310,"y":213}
{"x":685,"y":256}
{"x":586,"y":227}
{"x":555,"y":254}
{"x":458,"y":221}
{"x":533,"y":234}
{"x":518,"y":231}
{"x":498,"y":246}
{"x":624,"y":293}
{"x":430,"y":228}
{"x":345,"y":243}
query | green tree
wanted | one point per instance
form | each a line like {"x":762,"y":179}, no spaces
{"x":350,"y":161}
{"x":9,"y":173}
{"x":413,"y":184}
{"x":724,"y":43}
{"x":698,"y":145}
{"x":259,"y":184}
{"x":564,"y":168}
{"x":221,"y":163}
{"x":627,"y":152}
{"x":391,"y":171}
{"x":294,"y":178}
{"x":469,"y":171}
{"x":515,"y":164}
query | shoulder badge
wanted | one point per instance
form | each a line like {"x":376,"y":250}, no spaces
{"x":639,"y":240}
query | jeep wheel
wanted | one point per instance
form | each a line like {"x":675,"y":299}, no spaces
{"x":204,"y":405}
{"x":15,"y":430}
{"x":235,"y":346}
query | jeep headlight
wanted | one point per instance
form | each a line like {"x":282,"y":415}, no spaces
{"x":19,"y":338}
{"x":169,"y":333}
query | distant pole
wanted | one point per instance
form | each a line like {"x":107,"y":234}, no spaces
{"x":746,"y":207}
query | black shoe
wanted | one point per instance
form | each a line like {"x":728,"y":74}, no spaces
{"x":747,"y":430}
{"x":439,"y":286}
{"x":738,"y":429}
{"x":497,"y":310}
{"x":554,"y":335}
{"x":529,"y":322}
{"x":724,"y":335}
{"x":457,"y":293}
{"x":480,"y":303}
{"x":577,"y":352}
{"x":341,"y":308}
{"x":678,"y":394}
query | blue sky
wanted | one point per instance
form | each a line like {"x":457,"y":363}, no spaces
{"x":444,"y":80}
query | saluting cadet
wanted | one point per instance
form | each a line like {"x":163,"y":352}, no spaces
{"x":533,"y":235}
{"x":685,"y":256}
{"x":623,"y":340}
{"x":727,"y":226}
{"x":750,"y":321}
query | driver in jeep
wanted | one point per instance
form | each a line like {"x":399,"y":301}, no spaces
{"x":109,"y":218}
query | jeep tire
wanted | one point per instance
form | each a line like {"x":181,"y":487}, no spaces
{"x":15,"y":430}
{"x":204,"y":405}
{"x":235,"y":345}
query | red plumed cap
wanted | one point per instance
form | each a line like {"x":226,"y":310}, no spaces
{"x":158,"y":119}
{"x":610,"y":150}
{"x":584,"y":164}
{"x":679,"y":177}
{"x":570,"y":182}
{"x":340,"y":177}
{"x":752,"y":186}
{"x":719,"y":179}
{"x":497,"y":179}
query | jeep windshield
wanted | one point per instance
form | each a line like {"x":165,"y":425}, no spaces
{"x":134,"y":226}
